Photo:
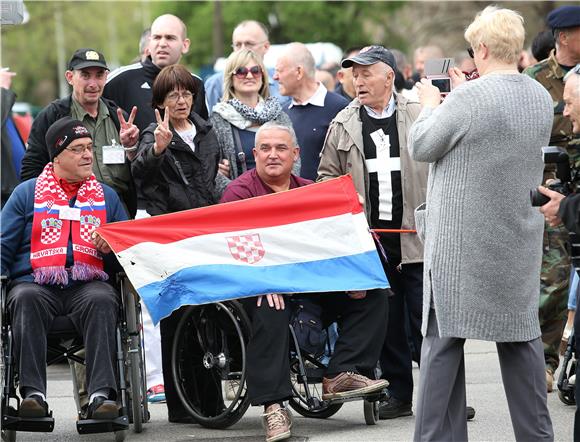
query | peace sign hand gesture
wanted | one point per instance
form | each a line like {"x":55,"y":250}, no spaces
{"x":162,"y":133}
{"x":129,"y":133}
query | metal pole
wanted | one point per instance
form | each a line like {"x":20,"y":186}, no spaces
{"x":60,"y":55}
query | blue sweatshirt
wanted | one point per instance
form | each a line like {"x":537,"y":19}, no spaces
{"x":311,"y":123}
{"x":16,"y":228}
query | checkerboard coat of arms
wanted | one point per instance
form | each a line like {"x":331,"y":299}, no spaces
{"x":246,"y":248}
{"x":50,"y":231}
{"x":88,"y":224}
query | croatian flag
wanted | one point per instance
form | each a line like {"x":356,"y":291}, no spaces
{"x":311,"y":239}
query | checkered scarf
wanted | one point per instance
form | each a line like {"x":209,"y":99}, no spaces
{"x":50,"y":233}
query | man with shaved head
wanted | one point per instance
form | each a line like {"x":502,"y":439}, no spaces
{"x":312,"y":107}
{"x":251,"y":35}
{"x":131,"y":85}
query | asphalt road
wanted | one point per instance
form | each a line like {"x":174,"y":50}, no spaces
{"x":484,"y":392}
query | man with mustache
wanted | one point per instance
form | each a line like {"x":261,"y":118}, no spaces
{"x":114,"y":137}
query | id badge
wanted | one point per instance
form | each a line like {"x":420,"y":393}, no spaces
{"x":113,"y":154}
{"x":70,"y":213}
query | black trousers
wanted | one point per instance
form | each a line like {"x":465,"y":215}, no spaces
{"x":362,"y":329}
{"x":404,"y":325}
{"x":203,"y":389}
{"x":92,"y":308}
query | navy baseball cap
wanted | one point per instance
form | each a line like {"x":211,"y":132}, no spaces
{"x":371,"y":55}
{"x":564,"y":17}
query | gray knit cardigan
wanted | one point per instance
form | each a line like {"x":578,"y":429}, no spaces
{"x":223,"y":130}
{"x":483,"y":239}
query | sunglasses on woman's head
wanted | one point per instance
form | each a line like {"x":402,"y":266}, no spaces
{"x":470,"y":52}
{"x":242,"y":72}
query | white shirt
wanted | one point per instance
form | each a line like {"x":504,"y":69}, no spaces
{"x":386,"y":113}
{"x":316,"y":100}
{"x":188,"y":136}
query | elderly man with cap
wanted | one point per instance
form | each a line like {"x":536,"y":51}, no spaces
{"x":56,"y":267}
{"x":115,"y":137}
{"x":368,"y":139}
{"x":565,"y":24}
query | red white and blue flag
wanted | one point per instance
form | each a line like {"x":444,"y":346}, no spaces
{"x":310,"y":239}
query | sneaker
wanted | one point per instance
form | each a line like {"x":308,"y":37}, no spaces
{"x":550,"y":379}
{"x":231,"y":388}
{"x":349,"y":384}
{"x":277,"y":423}
{"x":156,"y":394}
{"x":102,"y":409}
{"x":33,"y":407}
{"x":393,"y":408}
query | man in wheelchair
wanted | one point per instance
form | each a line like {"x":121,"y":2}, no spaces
{"x":56,"y":268}
{"x":362,"y":324}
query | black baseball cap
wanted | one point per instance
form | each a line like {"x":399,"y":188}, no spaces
{"x":86,"y":58}
{"x":371,"y":55}
{"x":564,"y":17}
{"x":63,"y":132}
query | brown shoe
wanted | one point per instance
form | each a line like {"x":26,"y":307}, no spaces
{"x":277,"y":423}
{"x":349,"y":384}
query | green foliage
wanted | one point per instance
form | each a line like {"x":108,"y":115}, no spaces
{"x":114,"y":28}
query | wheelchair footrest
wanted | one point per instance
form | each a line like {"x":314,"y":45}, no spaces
{"x":33,"y":424}
{"x":91,"y":426}
{"x":369,"y":397}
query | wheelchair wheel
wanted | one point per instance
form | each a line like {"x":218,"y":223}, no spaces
{"x":8,"y":435}
{"x":135,"y":360}
{"x":314,"y":407}
{"x":567,"y":397}
{"x":135,"y":364}
{"x":209,"y":350}
{"x":371,"y":412}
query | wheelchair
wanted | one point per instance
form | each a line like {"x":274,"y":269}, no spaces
{"x":567,"y":377}
{"x":209,"y":352}
{"x":65,"y":344}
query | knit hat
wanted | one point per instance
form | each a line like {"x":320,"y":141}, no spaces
{"x":63,"y":132}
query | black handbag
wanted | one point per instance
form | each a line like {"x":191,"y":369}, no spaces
{"x":306,"y":320}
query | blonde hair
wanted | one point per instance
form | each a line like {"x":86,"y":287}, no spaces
{"x":500,"y":30}
{"x":239,"y":59}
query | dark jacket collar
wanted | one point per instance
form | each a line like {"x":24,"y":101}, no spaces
{"x":150,"y":69}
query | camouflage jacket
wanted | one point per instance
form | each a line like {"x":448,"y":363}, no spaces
{"x":551,"y":75}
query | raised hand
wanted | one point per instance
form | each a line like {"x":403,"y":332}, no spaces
{"x":129,"y":133}
{"x":162,"y":132}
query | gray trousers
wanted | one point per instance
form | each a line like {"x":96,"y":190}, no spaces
{"x":441,"y":408}
{"x":92,"y":308}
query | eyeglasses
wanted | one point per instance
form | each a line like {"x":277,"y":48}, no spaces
{"x":175,"y":96}
{"x":247,"y":44}
{"x":242,"y":72}
{"x":470,"y":52}
{"x":79,"y":150}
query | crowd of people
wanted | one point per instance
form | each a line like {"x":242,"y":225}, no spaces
{"x":463,"y":260}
